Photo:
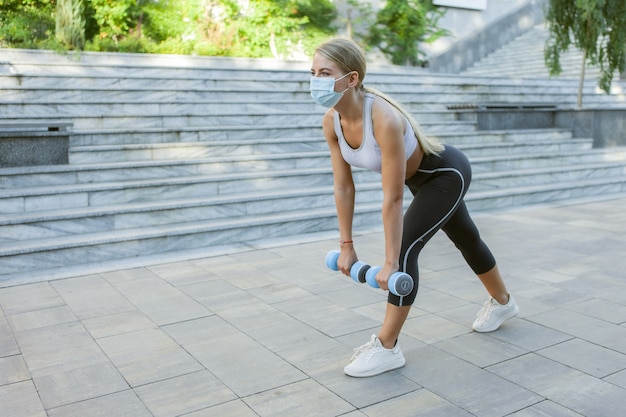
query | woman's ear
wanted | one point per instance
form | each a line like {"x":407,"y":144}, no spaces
{"x":353,"y":79}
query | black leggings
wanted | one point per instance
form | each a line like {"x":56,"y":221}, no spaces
{"x":438,"y":189}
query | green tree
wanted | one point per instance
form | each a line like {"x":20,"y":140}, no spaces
{"x":596,"y":27}
{"x":400,"y":26}
{"x":266,"y":28}
{"x":27,"y":23}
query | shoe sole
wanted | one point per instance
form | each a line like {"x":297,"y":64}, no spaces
{"x":512,"y":314}
{"x":377,"y":371}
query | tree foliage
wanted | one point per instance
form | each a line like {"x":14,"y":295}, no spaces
{"x":27,"y":23}
{"x":596,"y":27}
{"x":259,"y":28}
{"x":401,"y":24}
{"x":251,"y":28}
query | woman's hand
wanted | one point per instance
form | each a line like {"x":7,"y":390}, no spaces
{"x":347,"y":258}
{"x":382,"y":278}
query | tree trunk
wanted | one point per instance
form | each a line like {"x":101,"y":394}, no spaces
{"x":581,"y":84}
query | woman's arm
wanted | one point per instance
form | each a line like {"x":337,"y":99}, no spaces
{"x":389,"y":128}
{"x":344,"y":194}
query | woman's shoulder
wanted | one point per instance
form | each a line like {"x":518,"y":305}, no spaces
{"x":384,"y":112}
{"x":328,"y":121}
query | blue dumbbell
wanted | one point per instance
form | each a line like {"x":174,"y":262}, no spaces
{"x":357,"y":271}
{"x":400,"y":283}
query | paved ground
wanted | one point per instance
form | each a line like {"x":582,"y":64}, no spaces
{"x":267,"y":332}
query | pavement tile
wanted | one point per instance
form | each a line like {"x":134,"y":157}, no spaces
{"x":119,"y":323}
{"x":618,"y":379}
{"x":459,"y":283}
{"x":304,"y":398}
{"x":355,"y":295}
{"x":277,"y":292}
{"x":592,"y":359}
{"x":587,"y":328}
{"x":236,"y":408}
{"x":63,"y":346}
{"x":528,"y":335}
{"x":241,"y":363}
{"x":20,"y":400}
{"x":271,"y":327}
{"x":436,"y":302}
{"x":13,"y":369}
{"x":600,"y":309}
{"x":473,"y":389}
{"x":42,"y":318}
{"x":217,"y":294}
{"x":569,"y":387}
{"x":91,"y":296}
{"x":159,"y":300}
{"x":480,"y":349}
{"x":320,"y":355}
{"x":148,"y":355}
{"x":364,"y":392}
{"x":61,"y":385}
{"x":431,"y":328}
{"x":29,"y":297}
{"x":325,"y":316}
{"x":421,"y":403}
{"x":546,"y":409}
{"x":182,"y":273}
{"x":119,"y":404}
{"x":8,"y":344}
{"x":184,"y":394}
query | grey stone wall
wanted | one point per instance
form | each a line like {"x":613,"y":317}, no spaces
{"x":18,"y":149}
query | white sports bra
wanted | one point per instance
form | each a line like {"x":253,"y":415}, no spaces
{"x":368,"y":154}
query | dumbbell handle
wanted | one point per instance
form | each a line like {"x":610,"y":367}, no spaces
{"x":357,"y":271}
{"x":400,"y":283}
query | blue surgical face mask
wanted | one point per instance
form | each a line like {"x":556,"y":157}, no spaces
{"x":323,"y":90}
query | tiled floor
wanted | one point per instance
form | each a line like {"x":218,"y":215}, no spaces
{"x":267,"y":332}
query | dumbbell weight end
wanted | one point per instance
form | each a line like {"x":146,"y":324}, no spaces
{"x":400,"y":284}
{"x":331,"y":260}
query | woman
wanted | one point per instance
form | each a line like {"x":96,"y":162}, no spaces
{"x":365,"y":128}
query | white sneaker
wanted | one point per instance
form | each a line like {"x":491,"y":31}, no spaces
{"x":373,"y":359}
{"x":493,"y":314}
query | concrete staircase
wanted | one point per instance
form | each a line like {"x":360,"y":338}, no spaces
{"x":181,"y":157}
{"x":524,"y":58}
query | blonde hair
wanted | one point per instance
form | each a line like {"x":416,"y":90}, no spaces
{"x":350,"y":57}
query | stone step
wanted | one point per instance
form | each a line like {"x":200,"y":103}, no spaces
{"x":64,"y":222}
{"x":312,"y":132}
{"x":487,"y":137}
{"x":38,"y":199}
{"x":412,"y":95}
{"x":27,"y":256}
{"x":275,"y":82}
{"x":197,"y":150}
{"x":209,"y":109}
{"x":137,"y":170}
{"x":522,"y":57}
{"x":291,"y":120}
{"x":563,"y":191}
{"x":546,"y":159}
{"x":19,"y":70}
{"x":194,"y":134}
